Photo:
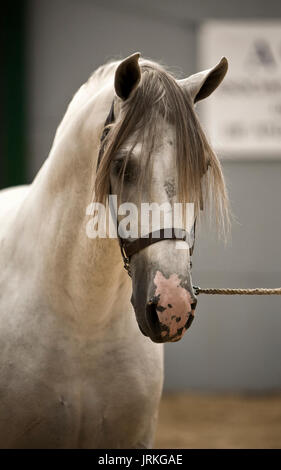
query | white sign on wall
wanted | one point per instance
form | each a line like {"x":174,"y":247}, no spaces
{"x":243,"y":116}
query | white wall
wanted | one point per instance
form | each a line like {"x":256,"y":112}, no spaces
{"x":235,"y":342}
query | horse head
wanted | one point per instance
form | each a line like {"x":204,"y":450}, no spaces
{"x":155,"y":155}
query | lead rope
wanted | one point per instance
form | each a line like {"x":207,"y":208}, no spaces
{"x":198,"y":290}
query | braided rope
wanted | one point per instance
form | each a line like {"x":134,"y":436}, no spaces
{"x":198,"y":291}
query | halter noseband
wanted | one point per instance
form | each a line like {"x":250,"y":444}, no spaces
{"x":129,"y":248}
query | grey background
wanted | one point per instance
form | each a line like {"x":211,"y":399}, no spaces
{"x":234,"y":343}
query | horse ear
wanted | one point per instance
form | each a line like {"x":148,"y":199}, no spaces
{"x":202,"y":84}
{"x":127,"y":76}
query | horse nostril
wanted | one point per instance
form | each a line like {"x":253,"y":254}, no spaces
{"x":193,"y":305}
{"x":151,"y":314}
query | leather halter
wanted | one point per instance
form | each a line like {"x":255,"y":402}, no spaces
{"x":129,"y":248}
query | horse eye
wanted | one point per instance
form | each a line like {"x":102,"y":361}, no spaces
{"x":117,"y":167}
{"x":130,"y":172}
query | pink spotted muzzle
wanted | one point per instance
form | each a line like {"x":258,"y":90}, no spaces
{"x":170,"y":312}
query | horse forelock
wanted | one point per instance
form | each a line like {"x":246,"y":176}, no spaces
{"x":159,"y":95}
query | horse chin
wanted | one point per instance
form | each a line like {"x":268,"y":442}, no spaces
{"x":159,"y":335}
{"x":162,"y":339}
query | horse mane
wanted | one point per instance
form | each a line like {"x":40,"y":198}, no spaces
{"x":199,"y":174}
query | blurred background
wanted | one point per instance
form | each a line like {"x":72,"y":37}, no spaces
{"x":223,"y":380}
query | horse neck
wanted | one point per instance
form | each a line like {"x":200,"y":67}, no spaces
{"x":85,"y":277}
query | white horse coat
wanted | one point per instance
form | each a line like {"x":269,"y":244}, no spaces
{"x":75,"y":370}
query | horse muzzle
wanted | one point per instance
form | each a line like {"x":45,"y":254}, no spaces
{"x":169,"y":312}
{"x":166,"y":325}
